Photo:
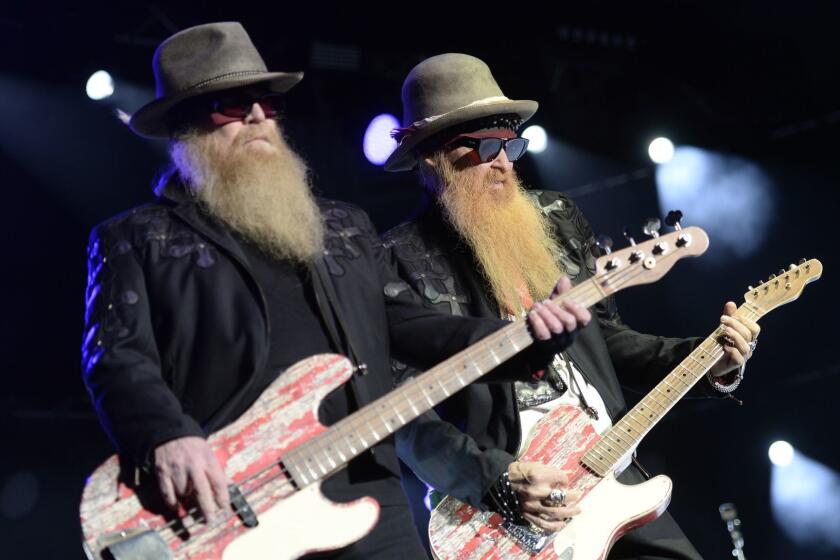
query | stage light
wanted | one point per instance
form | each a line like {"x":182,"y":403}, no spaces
{"x":661,"y":150}
{"x":728,"y":196}
{"x":100,"y":85}
{"x":805,"y":501}
{"x":781,"y":453}
{"x":537,"y":138}
{"x":377,"y":143}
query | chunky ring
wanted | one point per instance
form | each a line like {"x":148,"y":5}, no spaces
{"x":557,"y":496}
{"x":753,"y":344}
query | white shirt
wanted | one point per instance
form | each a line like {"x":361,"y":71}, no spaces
{"x":530,"y":416}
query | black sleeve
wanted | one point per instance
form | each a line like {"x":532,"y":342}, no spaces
{"x":449,"y":460}
{"x":120,"y":361}
{"x":424,"y":337}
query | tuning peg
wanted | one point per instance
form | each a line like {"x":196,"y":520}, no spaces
{"x":802,"y":261}
{"x":772,"y":276}
{"x":628,"y":236}
{"x":750,"y":288}
{"x":792,"y":266}
{"x":673,"y":219}
{"x":651,"y":227}
{"x":605,"y":242}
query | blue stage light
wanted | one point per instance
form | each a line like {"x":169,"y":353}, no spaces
{"x":537,"y":138}
{"x":728,"y":196}
{"x":378,"y":144}
{"x":100,"y":85}
{"x":661,"y":150}
{"x":805,"y":499}
{"x":781,"y":453}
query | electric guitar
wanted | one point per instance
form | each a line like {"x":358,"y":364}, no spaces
{"x":277,"y":453}
{"x":565,"y":438}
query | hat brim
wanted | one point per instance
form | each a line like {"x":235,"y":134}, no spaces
{"x":150,"y":119}
{"x":404,"y":158}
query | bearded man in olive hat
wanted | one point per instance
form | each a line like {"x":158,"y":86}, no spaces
{"x":199,"y":300}
{"x":486,"y":247}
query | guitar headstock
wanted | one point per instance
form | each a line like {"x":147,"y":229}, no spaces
{"x":785,"y":286}
{"x":648,"y":261}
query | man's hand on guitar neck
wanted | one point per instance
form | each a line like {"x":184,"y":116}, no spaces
{"x":558,"y":322}
{"x":739,"y":340}
{"x":534,"y":483}
{"x":186,"y":467}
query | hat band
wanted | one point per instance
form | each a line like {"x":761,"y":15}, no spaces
{"x":399,"y":134}
{"x":224,"y":76}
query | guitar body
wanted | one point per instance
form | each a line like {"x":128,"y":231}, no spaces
{"x":609,"y":509}
{"x":291,"y":522}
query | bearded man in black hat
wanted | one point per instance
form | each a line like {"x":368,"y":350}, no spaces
{"x":485,"y":247}
{"x":199,"y":300}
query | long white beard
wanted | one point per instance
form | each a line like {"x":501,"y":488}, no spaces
{"x":265,"y":196}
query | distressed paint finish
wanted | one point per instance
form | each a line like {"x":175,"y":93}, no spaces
{"x":284,"y":417}
{"x":458,"y":531}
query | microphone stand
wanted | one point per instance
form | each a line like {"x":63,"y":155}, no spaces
{"x":730,"y":516}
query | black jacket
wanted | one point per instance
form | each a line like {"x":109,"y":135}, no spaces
{"x":465,"y":455}
{"x":172,"y":308}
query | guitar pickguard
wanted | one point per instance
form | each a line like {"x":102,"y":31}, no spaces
{"x":458,"y":531}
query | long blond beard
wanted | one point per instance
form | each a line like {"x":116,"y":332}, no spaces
{"x":511,"y":239}
{"x":265,"y":196}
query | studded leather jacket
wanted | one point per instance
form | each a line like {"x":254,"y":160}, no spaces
{"x":173,"y":308}
{"x":463,"y":446}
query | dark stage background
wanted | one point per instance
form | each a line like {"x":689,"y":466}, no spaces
{"x":752,"y":80}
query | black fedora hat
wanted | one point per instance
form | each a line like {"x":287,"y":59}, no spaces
{"x":199,"y":60}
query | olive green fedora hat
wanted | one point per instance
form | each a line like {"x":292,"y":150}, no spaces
{"x":199,"y":60}
{"x":444,"y":91}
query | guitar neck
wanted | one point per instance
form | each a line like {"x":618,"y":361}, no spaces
{"x":324,"y":454}
{"x":348,"y":438}
{"x":620,"y":440}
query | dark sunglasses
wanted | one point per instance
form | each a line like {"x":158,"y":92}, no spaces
{"x":240,"y":106}
{"x":488,"y":148}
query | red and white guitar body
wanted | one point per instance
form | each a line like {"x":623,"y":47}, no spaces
{"x":609,"y":509}
{"x":291,"y":522}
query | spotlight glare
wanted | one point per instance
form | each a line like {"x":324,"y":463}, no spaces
{"x":100,"y":85}
{"x":537,"y":138}
{"x":781,"y":453}
{"x":378,"y":144}
{"x":661,"y":150}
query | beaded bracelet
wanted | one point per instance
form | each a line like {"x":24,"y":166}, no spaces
{"x":726,"y":387}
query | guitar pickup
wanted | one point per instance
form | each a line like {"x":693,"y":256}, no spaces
{"x":145,"y":545}
{"x":242,"y":508}
{"x":532,"y":540}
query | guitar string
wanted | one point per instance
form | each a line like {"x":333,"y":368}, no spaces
{"x":587,"y":289}
{"x":322,"y":445}
{"x":715,"y":352}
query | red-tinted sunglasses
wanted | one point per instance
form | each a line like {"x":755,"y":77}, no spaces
{"x":237,"y":108}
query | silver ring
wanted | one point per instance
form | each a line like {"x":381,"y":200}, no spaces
{"x":753,"y":344}
{"x":557,"y":496}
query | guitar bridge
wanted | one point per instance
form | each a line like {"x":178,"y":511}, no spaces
{"x":533,"y":540}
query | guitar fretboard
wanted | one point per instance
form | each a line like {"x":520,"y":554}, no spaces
{"x":346,"y":439}
{"x":324,"y":454}
{"x":620,"y":440}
